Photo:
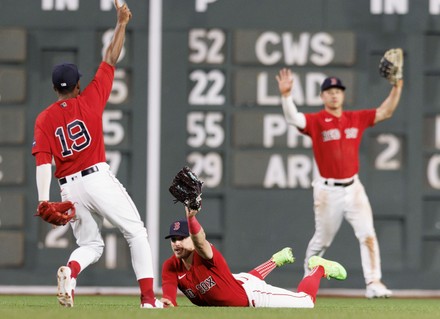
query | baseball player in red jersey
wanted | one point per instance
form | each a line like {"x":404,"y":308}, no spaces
{"x":200,"y":271}
{"x":338,"y":192}
{"x":70,"y":131}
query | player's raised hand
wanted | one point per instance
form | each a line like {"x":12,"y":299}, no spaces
{"x":114,"y":48}
{"x":285,"y":81}
{"x":124,"y":13}
{"x":190,"y":212}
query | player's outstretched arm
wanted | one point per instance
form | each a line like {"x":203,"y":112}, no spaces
{"x":387,"y":108}
{"x":114,"y":49}
{"x":198,"y":236}
{"x":285,"y":85}
{"x":169,"y":285}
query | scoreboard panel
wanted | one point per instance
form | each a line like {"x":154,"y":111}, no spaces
{"x":220,"y":113}
{"x":220,"y":63}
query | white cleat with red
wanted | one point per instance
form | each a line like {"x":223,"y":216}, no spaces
{"x":66,"y":286}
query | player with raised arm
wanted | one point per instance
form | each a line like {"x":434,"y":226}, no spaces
{"x":70,"y":131}
{"x":200,"y":271}
{"x":338,"y":192}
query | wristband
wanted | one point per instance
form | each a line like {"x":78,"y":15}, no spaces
{"x":193,"y":225}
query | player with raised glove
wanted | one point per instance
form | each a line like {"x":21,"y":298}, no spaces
{"x":187,"y":189}
{"x":69,"y":134}
{"x":56,"y":213}
{"x":338,"y":181}
{"x":391,"y":65}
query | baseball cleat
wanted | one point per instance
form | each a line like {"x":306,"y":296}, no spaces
{"x":332,"y":269}
{"x":157,"y":304}
{"x":66,"y":286}
{"x":377,"y":290}
{"x":284,"y":256}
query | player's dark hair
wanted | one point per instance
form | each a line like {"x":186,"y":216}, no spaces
{"x":65,"y":90}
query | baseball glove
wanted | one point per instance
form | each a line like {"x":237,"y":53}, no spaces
{"x":187,"y":189}
{"x":391,"y":65}
{"x":56,"y":213}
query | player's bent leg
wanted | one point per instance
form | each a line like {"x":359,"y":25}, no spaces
{"x":262,"y":295}
{"x":143,"y":267}
{"x":371,"y":266}
{"x":363,"y":224}
{"x":119,"y":209}
{"x":140,"y":251}
{"x":370,"y":258}
{"x":280,"y":258}
{"x":88,"y":237}
{"x":329,"y":210}
{"x":310,"y":283}
{"x":87,"y":255}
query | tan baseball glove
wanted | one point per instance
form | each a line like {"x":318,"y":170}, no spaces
{"x":391,"y":65}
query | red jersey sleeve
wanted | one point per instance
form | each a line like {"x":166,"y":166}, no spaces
{"x":43,"y":158}
{"x":310,"y":119}
{"x":366,"y":117}
{"x":217,"y":258}
{"x":40,"y":143}
{"x":101,"y":86}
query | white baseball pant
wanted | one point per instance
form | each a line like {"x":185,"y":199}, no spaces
{"x":331,"y":205}
{"x":97,"y":196}
{"x":261,"y":294}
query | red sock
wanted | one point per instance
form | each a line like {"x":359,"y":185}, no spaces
{"x":310,"y":283}
{"x":147,"y":293}
{"x":263,"y":270}
{"x":75,"y":268}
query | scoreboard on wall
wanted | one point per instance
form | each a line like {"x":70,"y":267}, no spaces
{"x":220,"y":59}
{"x":220,"y":114}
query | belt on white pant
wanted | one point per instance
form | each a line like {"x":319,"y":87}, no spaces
{"x":83,"y":173}
{"x":327,"y":182}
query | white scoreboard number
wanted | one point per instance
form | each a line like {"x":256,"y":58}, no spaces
{"x":205,"y":129}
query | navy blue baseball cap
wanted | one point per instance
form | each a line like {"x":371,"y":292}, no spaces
{"x":332,"y":82}
{"x":65,"y":75}
{"x":178,"y":228}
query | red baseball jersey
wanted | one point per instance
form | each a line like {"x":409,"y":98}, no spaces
{"x":336,"y":140}
{"x":207,"y":283}
{"x":71,"y":130}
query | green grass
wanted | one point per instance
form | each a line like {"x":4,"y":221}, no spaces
{"x":120,"y":307}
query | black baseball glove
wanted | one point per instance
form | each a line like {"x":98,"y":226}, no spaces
{"x":391,"y":65}
{"x":187,"y":189}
